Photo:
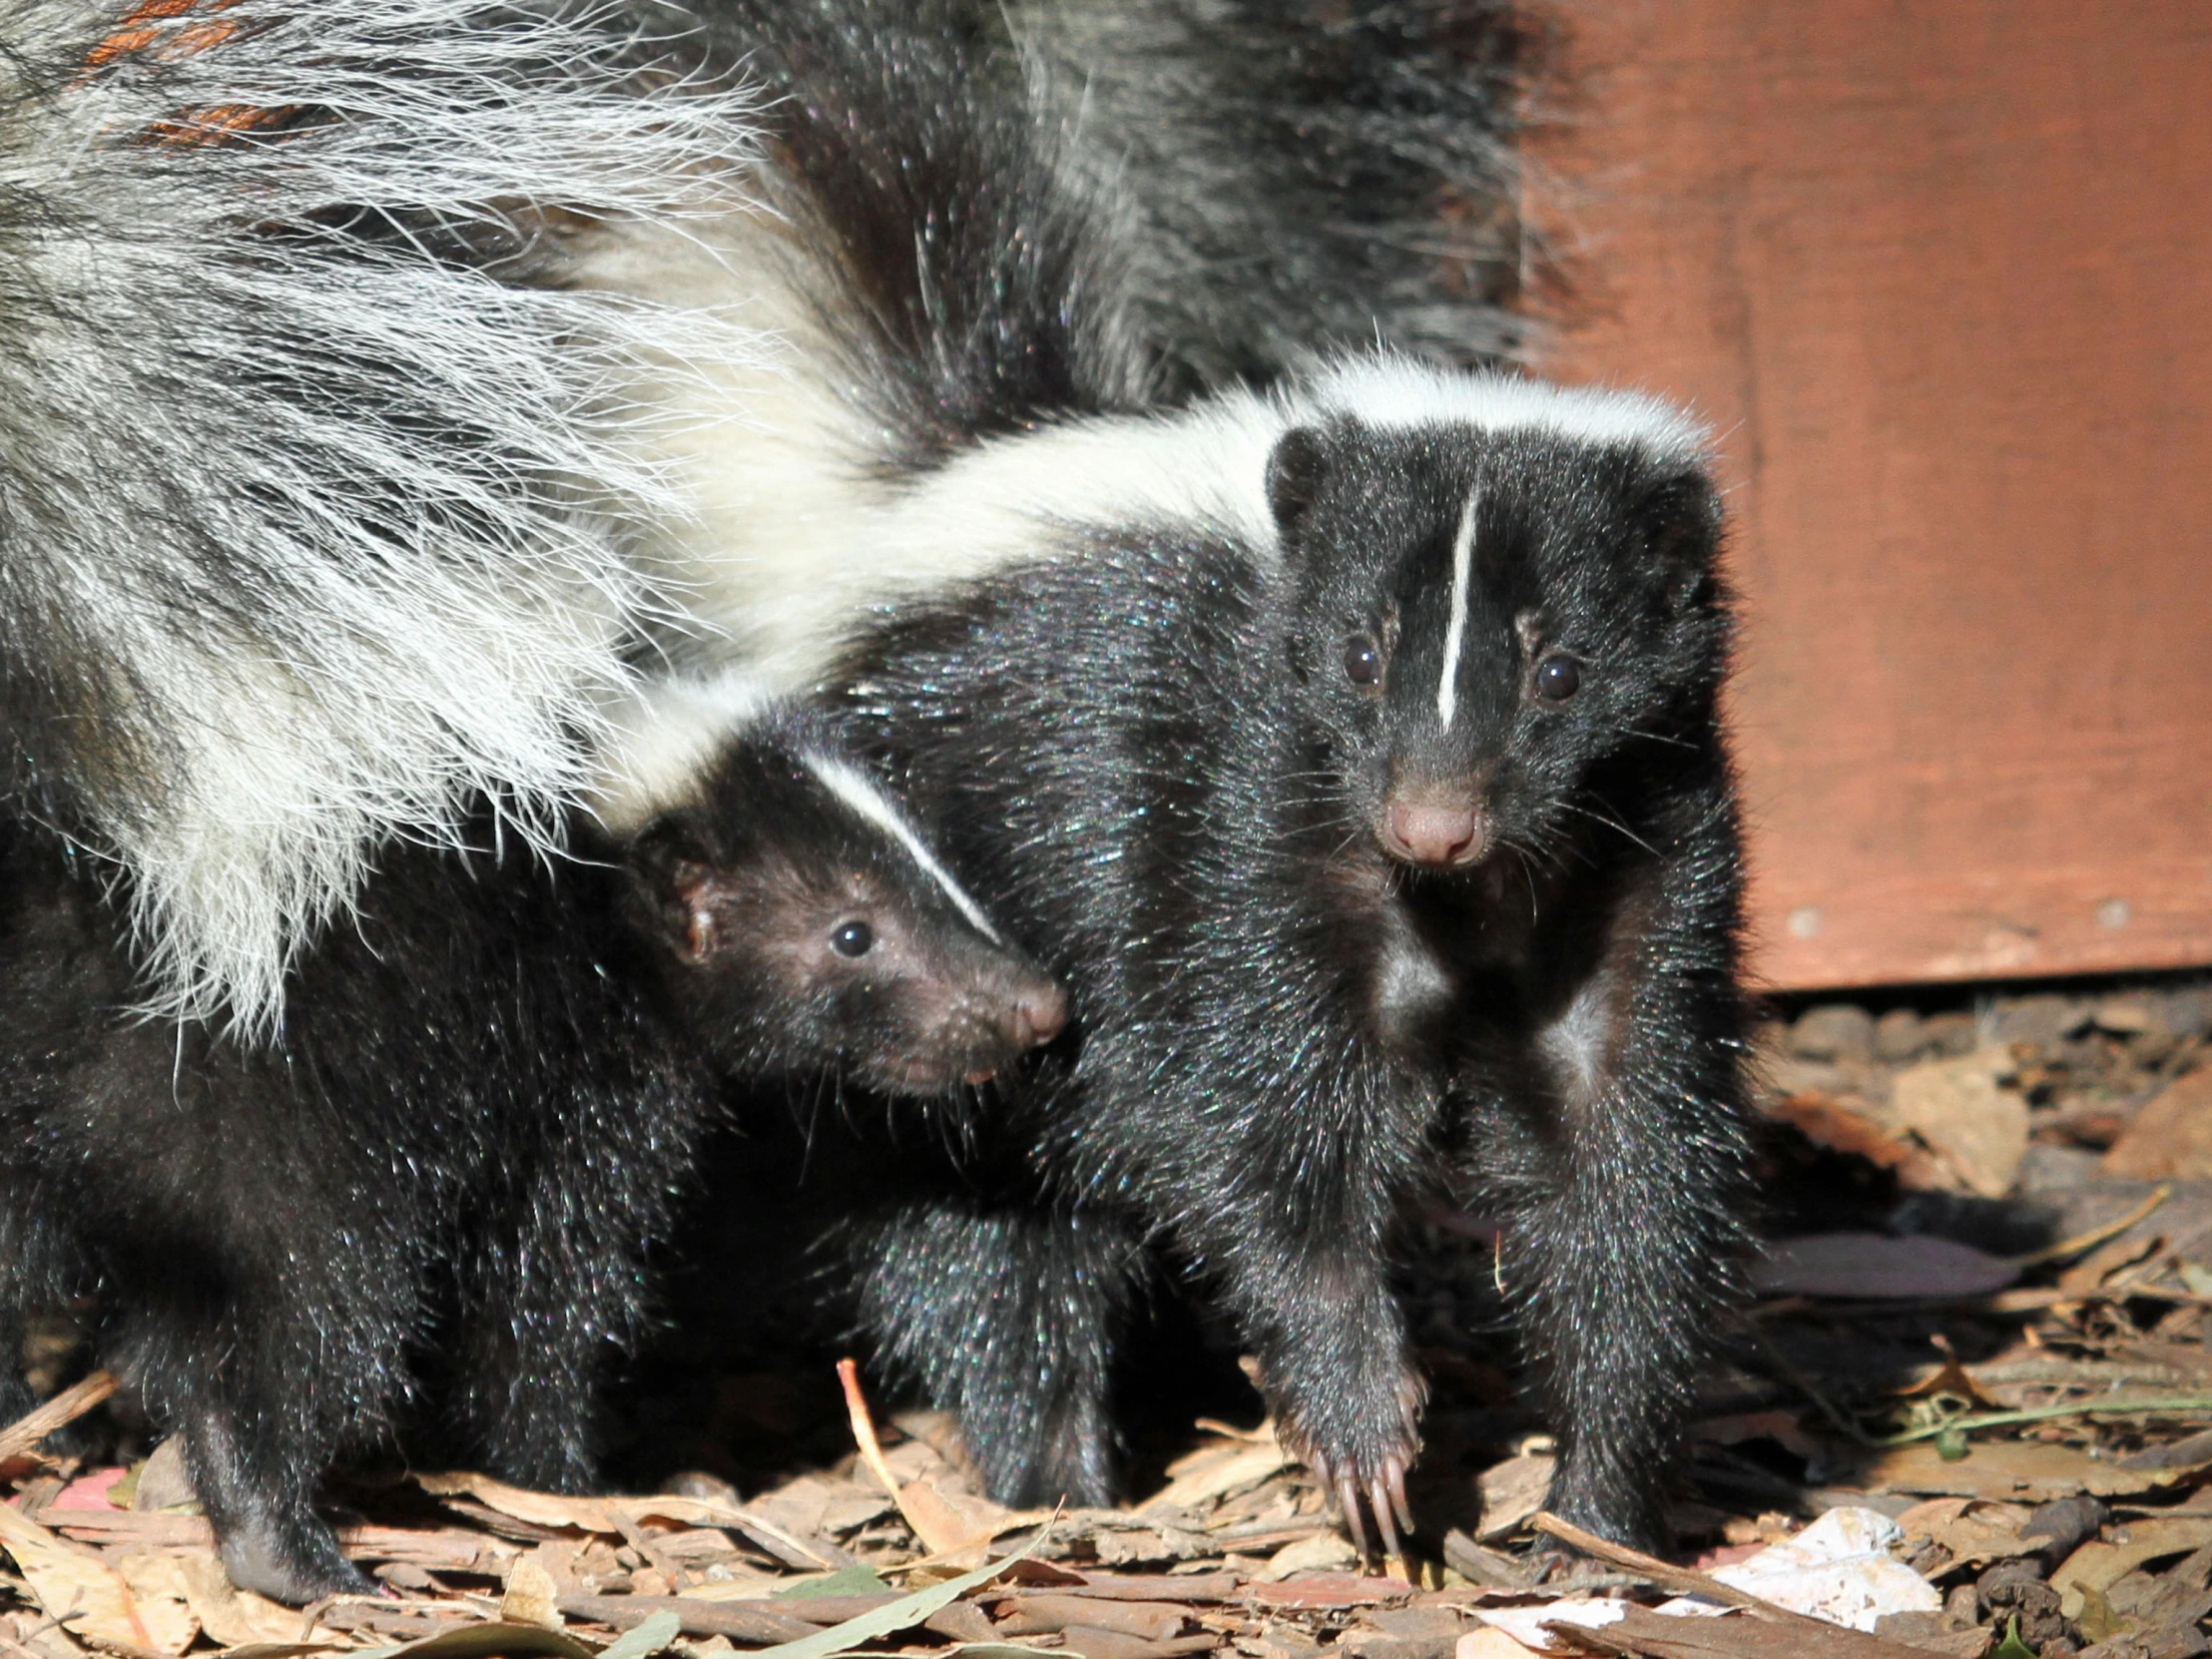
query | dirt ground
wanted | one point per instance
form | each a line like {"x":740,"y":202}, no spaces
{"x":1974,"y":1355}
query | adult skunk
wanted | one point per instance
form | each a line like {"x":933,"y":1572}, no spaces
{"x":972,"y":222}
{"x":297,"y":401}
{"x":301,"y":544}
{"x":478,"y":1111}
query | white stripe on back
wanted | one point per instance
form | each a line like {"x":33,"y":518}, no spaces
{"x":1456,"y":631}
{"x":857,"y":793}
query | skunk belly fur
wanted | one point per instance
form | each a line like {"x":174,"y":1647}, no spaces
{"x":480,"y":1107}
{"x":307,"y":523}
{"x":1157,"y":746}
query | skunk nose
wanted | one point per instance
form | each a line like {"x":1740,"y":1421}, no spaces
{"x":1432,"y":833}
{"x":1039,"y":1017}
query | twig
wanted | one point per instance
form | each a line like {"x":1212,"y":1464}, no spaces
{"x":2096,"y":1235}
{"x":2044,"y":1413}
{"x":24,"y":1435}
{"x":871,"y":1453}
{"x":1686,"y":1579}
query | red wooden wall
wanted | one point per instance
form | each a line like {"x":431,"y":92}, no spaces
{"x":1941,"y":273}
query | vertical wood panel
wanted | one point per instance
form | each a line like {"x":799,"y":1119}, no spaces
{"x":1940,"y":273}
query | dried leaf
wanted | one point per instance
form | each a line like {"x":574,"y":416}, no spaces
{"x":157,"y":1582}
{"x":1318,"y":1553}
{"x":2028,"y":1471}
{"x":1877,"y":1266}
{"x":531,"y":1597}
{"x":902,"y":1614}
{"x":235,"y":1617}
{"x":1976,"y":1128}
{"x":1488,"y":1643}
{"x":77,"y":1586}
{"x":2171,"y":1136}
{"x":1513,"y":1490}
{"x":1219,"y":1470}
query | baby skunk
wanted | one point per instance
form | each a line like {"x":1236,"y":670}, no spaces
{"x":299,"y":542}
{"x":479,"y":1109}
{"x":1371,"y":801}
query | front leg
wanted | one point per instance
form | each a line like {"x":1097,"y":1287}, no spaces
{"x":1006,"y":1316}
{"x":1620,"y":1170}
{"x":554,"y":1283}
{"x":1289,"y":1218}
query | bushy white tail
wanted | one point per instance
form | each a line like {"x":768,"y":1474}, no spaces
{"x":307,"y":532}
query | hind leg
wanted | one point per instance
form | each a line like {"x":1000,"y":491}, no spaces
{"x":555,"y":1286}
{"x":267,"y":1354}
{"x":1006,"y":1316}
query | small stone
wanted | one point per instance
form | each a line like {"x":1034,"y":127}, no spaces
{"x":1949,"y":1035}
{"x":2189,"y":1011}
{"x":2043,"y":1021}
{"x":1898,"y":1037}
{"x":2130,"y":1016}
{"x":1833,"y":1031}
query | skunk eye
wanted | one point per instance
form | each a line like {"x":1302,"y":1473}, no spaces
{"x":1558,"y":678}
{"x":853,"y":939}
{"x":1362,"y":661}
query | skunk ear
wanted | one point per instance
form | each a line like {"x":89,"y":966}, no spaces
{"x":1680,"y":519}
{"x":1296,"y":468}
{"x":681,"y":886}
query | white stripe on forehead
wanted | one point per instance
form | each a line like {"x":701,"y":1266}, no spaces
{"x":874,"y":806}
{"x":1456,"y":631}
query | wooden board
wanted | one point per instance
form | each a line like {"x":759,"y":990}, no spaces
{"x":1941,"y":275}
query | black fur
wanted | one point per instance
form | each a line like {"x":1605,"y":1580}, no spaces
{"x":1151,"y":751}
{"x":480,"y":1108}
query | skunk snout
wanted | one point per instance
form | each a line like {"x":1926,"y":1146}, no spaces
{"x":1040,"y":1013}
{"x":1435,"y":829}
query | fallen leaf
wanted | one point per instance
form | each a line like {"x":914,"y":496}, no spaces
{"x":75,"y":1585}
{"x":2171,"y":1136}
{"x":1219,"y":1470}
{"x":1838,"y":1569}
{"x":157,"y":1581}
{"x":2030,"y":1472}
{"x":231,"y":1616}
{"x":1972,"y":1531}
{"x":1513,"y":1490}
{"x":1840,"y":1127}
{"x":1320,"y":1552}
{"x":1329,"y":1589}
{"x":2101,"y":1563}
{"x":531,"y":1596}
{"x":1491,"y":1643}
{"x":1877,"y":1266}
{"x":1976,"y":1127}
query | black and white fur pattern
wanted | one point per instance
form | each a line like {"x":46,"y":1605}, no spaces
{"x":1292,"y":1000}
{"x":972,"y":224}
{"x":479,"y":1110}
{"x":306,"y":528}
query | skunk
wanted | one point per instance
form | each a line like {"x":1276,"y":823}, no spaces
{"x":478,"y":1111}
{"x":1108,"y":651}
{"x":307,"y":522}
{"x":971,"y":222}
{"x":1373,"y":803}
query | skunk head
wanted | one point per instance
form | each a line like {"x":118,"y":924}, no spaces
{"x":1484,"y":613}
{"x":808,"y":930}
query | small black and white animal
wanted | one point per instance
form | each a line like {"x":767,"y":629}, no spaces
{"x":479,"y":1111}
{"x":1363,"y":777}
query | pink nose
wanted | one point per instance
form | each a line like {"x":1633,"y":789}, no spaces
{"x":1041,"y":1017}
{"x":1426,"y":833}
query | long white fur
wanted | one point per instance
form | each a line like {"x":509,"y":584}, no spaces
{"x":399,"y":627}
{"x":1455,"y":630}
